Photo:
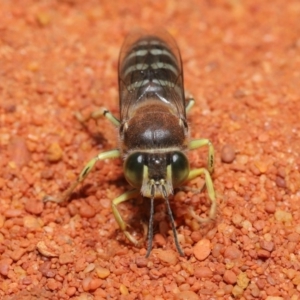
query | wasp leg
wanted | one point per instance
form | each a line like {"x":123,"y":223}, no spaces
{"x":211,"y":194}
{"x":211,"y":156}
{"x":84,"y":173}
{"x":190,"y":103}
{"x":124,"y":197}
{"x":98,"y":114}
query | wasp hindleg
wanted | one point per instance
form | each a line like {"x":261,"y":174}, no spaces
{"x":122,"y":198}
{"x":190,"y":101}
{"x":83,"y":174}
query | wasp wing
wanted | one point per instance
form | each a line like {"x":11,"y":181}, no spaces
{"x":150,"y":67}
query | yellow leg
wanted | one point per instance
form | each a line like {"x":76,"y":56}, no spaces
{"x":124,"y":197}
{"x":84,"y":173}
{"x":211,"y":194}
{"x":211,"y":153}
{"x":98,"y":114}
{"x":190,"y":103}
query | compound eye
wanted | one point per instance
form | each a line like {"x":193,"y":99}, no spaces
{"x":180,"y":168}
{"x":134,"y":168}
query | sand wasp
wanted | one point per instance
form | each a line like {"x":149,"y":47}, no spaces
{"x":153,"y":130}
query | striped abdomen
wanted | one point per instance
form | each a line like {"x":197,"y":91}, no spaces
{"x":150,"y":68}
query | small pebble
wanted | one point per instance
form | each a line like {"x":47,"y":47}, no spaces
{"x":196,"y":236}
{"x":187,"y":295}
{"x":141,"y":261}
{"x":46,"y":250}
{"x":230,"y":277}
{"x":102,"y":272}
{"x":86,"y":211}
{"x":237,"y":219}
{"x":202,"y":249}
{"x":17,"y":253}
{"x":255,"y":292}
{"x":270,"y":207}
{"x":95,"y":283}
{"x":66,"y":258}
{"x":124,"y":290}
{"x":263,"y":253}
{"x":293,"y":237}
{"x":216,"y":250}
{"x":232,"y":252}
{"x":237,"y":291}
{"x":243,"y":280}
{"x":259,"y":224}
{"x":9,"y":108}
{"x":13,"y":213}
{"x":203,"y":272}
{"x":32,"y":222}
{"x":47,"y":174}
{"x":261,"y":166}
{"x":296,"y":280}
{"x":291,"y":273}
{"x":283,"y":216}
{"x":85,"y":296}
{"x":19,"y":152}
{"x":159,"y":239}
{"x":89,"y":268}
{"x":86,"y":283}
{"x":80,"y":264}
{"x":34,"y":207}
{"x":5,"y":264}
{"x":46,"y":270}
{"x":53,"y":285}
{"x":54,"y":153}
{"x":227,"y":154}
{"x":267,"y":245}
{"x":263,"y":137}
{"x":280,"y":182}
{"x":169,"y":257}
{"x":71,"y":291}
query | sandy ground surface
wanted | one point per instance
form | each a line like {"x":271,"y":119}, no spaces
{"x":241,"y":62}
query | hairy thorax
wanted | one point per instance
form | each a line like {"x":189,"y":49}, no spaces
{"x":154,"y":127}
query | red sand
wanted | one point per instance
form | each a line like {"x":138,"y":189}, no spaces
{"x":241,"y":62}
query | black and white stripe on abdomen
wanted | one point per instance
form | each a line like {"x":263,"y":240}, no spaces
{"x":150,"y":62}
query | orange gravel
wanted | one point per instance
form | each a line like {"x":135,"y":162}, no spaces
{"x":241,"y":62}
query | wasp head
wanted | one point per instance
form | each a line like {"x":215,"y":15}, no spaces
{"x":156,"y":174}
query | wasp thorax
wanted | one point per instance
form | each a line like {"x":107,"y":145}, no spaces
{"x":154,"y":127}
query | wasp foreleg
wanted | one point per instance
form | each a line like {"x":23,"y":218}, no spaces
{"x":211,"y":194}
{"x":124,"y":197}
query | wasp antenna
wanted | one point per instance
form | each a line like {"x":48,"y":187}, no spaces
{"x":172,"y":221}
{"x":150,"y":234}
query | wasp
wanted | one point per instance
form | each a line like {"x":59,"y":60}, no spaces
{"x":153,"y":130}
